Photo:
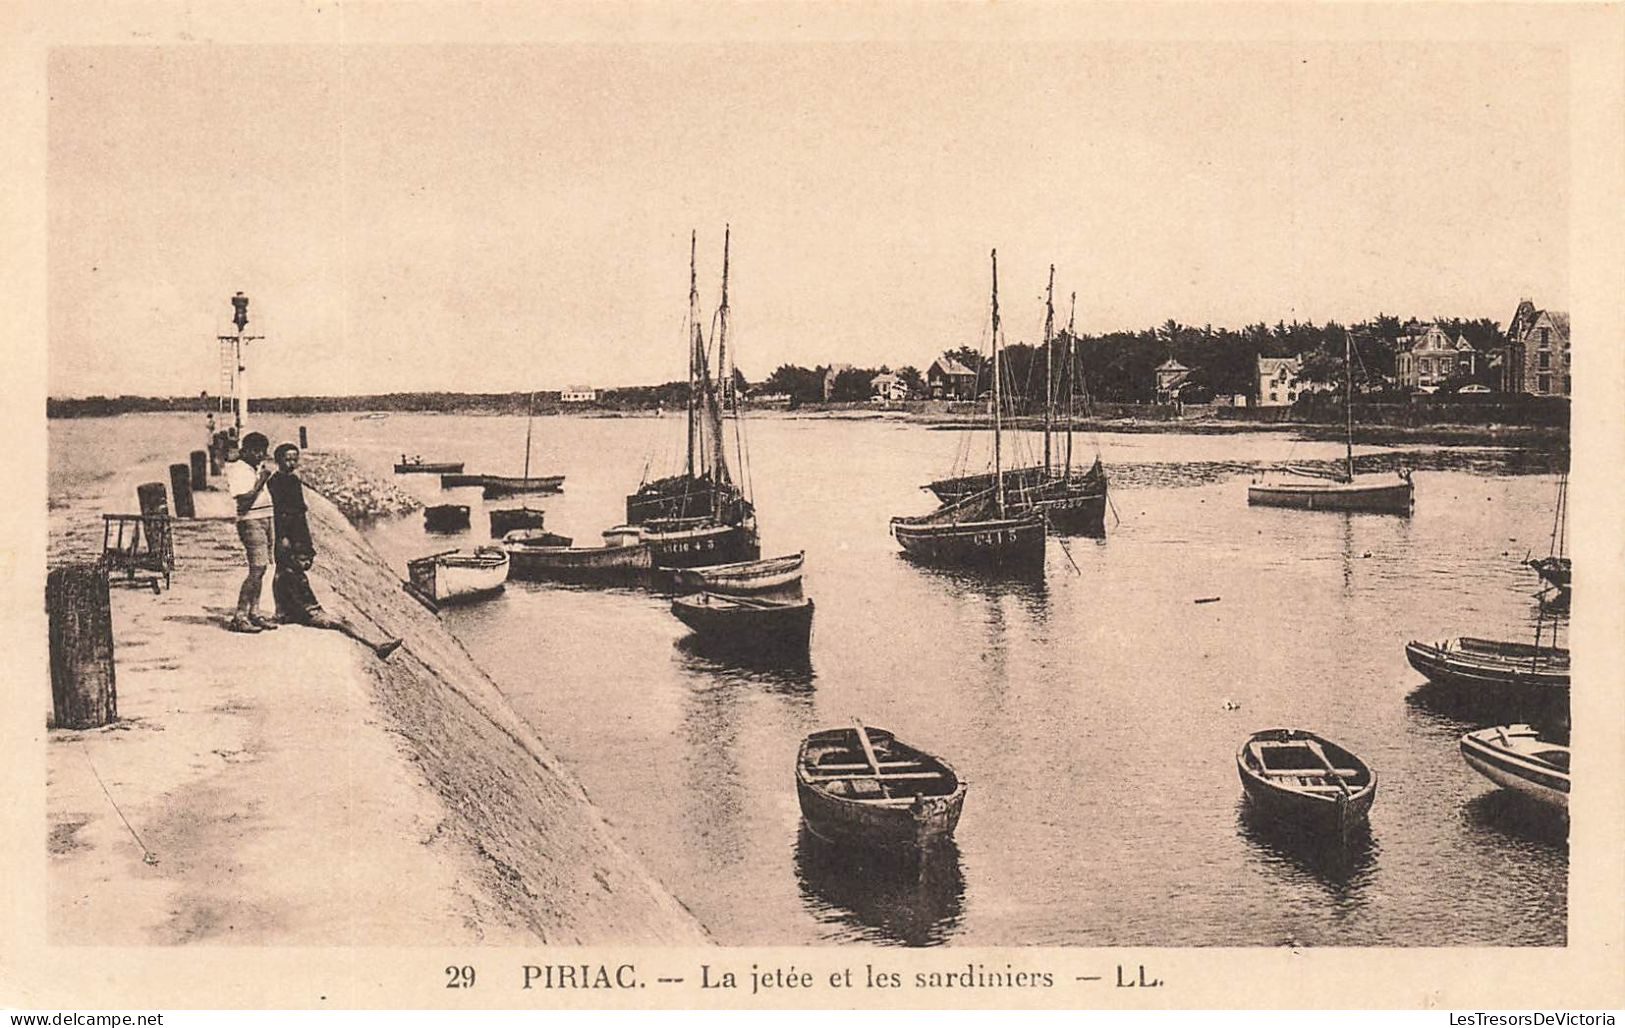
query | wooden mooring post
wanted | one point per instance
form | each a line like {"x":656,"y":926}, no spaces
{"x":154,"y":499}
{"x":81,"y":641}
{"x":180,"y":480}
{"x":304,"y":443}
{"x":200,"y":469}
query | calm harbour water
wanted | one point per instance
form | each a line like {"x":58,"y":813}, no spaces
{"x":1089,"y":711}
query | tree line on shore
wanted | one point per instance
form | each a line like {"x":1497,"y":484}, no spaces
{"x":1113,"y":366}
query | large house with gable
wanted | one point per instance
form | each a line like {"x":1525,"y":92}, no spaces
{"x":1536,"y":357}
{"x":1427,"y":358}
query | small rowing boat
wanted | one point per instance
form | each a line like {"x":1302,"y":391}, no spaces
{"x":1305,"y":781}
{"x":862,"y":786}
{"x":514,"y":519}
{"x":748,"y":624}
{"x":418,"y":466}
{"x":455,"y":575}
{"x":566,"y":563}
{"x":1515,"y":757}
{"x":446,"y":517}
{"x":746,"y":577}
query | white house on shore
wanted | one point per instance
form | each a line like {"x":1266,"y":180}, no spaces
{"x":578,"y":394}
{"x":1278,"y":381}
{"x":888,"y":386}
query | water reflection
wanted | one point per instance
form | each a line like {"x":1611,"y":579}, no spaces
{"x":1520,"y":819}
{"x":789,"y":674}
{"x":1341,"y":867}
{"x":882,"y":897}
{"x":1500,"y":707}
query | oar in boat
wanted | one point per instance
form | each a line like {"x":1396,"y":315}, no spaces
{"x":869,"y":754}
{"x":1343,"y":797}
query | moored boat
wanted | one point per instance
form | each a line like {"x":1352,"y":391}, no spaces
{"x":981,"y":530}
{"x":1304,"y":781}
{"x":418,"y":466}
{"x":745,"y":578}
{"x":1494,"y":667}
{"x":748,"y":624}
{"x":446,"y":517}
{"x":582,"y":564}
{"x":513,"y":519}
{"x":502,"y":485}
{"x":1343,"y":490}
{"x":455,"y":575}
{"x":690,"y":542}
{"x":861,"y":786}
{"x":1515,"y":757}
{"x":534,"y":537}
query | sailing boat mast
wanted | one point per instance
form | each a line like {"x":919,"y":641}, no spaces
{"x":1049,"y":372}
{"x":530,"y":416}
{"x":719,"y":462}
{"x":1348,"y":398}
{"x":1071,"y":384}
{"x":998,"y":423}
{"x":694,"y":350}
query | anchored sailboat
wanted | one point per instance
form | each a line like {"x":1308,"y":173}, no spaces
{"x":982,"y":529}
{"x":1345,"y":491}
{"x":510,"y":519}
{"x":700,"y":516}
{"x":1072,"y":501}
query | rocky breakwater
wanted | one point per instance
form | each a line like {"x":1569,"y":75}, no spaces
{"x":357,"y":495}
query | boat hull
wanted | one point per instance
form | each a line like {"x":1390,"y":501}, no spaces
{"x":447,"y":517}
{"x":1074,"y":512}
{"x":496,"y":486}
{"x":1326,"y":811}
{"x":1514,"y":673}
{"x":1001,"y":543}
{"x":586,"y":564}
{"x":515,"y":519}
{"x":445,"y":468}
{"x":458,"y":577}
{"x":1511,"y":757}
{"x":697,"y":546}
{"x":769,"y":629}
{"x":899,"y":826}
{"x":1391,"y":497}
{"x":746,"y":578}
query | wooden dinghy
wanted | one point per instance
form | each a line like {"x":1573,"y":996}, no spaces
{"x":745,"y":578}
{"x":446,"y":517}
{"x":1515,"y":757}
{"x":419,"y":466}
{"x":534,"y":561}
{"x":499,"y":485}
{"x":514,"y":519}
{"x":456,"y":575}
{"x":863,"y":787}
{"x":1305,"y":781}
{"x":748,"y":624}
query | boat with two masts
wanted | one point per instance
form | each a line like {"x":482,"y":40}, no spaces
{"x":1306,"y":489}
{"x":701,"y":515}
{"x":983,"y":529}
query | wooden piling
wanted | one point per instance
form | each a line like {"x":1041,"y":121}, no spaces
{"x":303,"y":442}
{"x":180,"y":480}
{"x":154,"y":499}
{"x":200,"y":470}
{"x":81,"y":642}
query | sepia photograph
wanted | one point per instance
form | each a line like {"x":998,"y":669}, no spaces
{"x":662,"y":506}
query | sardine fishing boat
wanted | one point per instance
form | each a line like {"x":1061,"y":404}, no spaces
{"x":1515,"y":757}
{"x":446,"y":517}
{"x":704,"y":493}
{"x":1307,"y":489}
{"x":862,"y":787}
{"x":456,"y":575}
{"x":1304,"y":781}
{"x":981,"y":530}
{"x":418,"y":466}
{"x":1491,"y":667}
{"x":745,"y":578}
{"x":748,"y":623}
{"x":1073,"y":501}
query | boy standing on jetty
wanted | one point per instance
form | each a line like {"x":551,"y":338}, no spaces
{"x":245,"y":480}
{"x":295,"y":552}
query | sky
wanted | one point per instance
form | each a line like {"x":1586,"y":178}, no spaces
{"x":495,"y":218}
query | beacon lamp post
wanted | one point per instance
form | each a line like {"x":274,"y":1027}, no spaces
{"x":239,"y":378}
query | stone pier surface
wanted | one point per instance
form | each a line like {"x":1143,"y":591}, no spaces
{"x":290,"y":788}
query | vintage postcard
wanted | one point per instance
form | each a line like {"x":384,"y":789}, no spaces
{"x":973,"y":505}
